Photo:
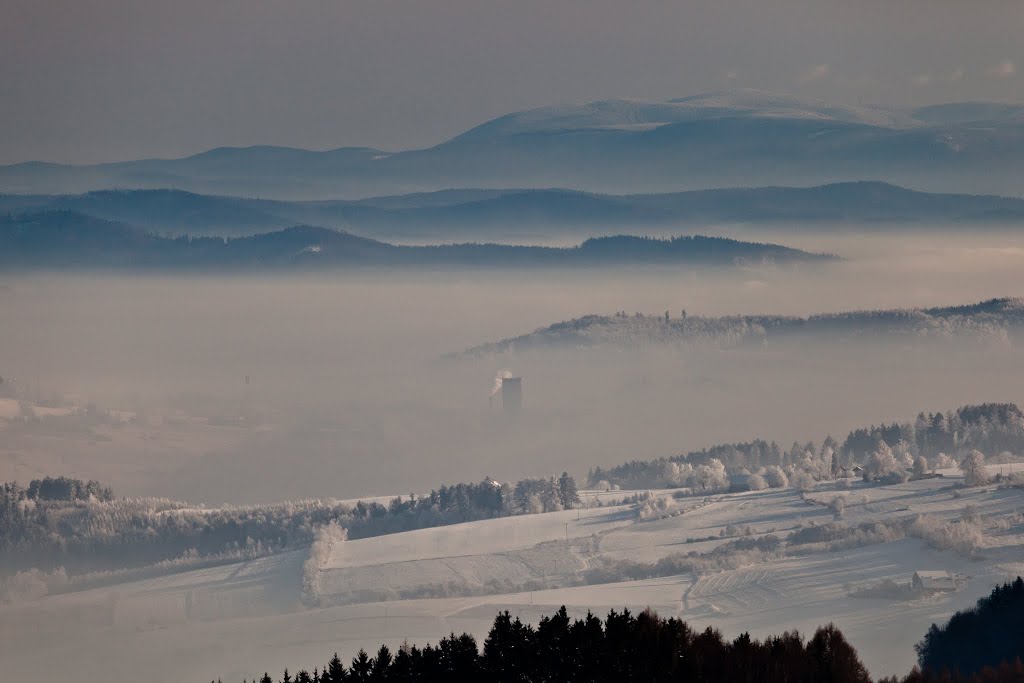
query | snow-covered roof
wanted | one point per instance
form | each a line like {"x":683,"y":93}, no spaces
{"x":934,"y":574}
{"x":935,"y":578}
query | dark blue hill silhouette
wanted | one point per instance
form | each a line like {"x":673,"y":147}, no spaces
{"x":69,"y":239}
{"x":732,"y":138}
{"x":474,"y":214}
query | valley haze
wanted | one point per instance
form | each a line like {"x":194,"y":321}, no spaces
{"x":451,"y":356}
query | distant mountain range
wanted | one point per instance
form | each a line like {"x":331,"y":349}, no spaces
{"x":477,"y":214}
{"x":67,"y":239}
{"x":732,"y":138}
{"x":987,"y":321}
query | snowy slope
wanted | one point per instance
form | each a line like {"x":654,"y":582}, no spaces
{"x":239,"y":620}
{"x":477,"y":538}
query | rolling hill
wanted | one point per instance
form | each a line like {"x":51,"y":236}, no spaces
{"x":729,"y":138}
{"x":479,"y":214}
{"x":65,"y":239}
{"x":417,"y":586}
{"x":986,"y":320}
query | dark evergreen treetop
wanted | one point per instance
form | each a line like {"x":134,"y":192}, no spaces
{"x":987,"y":634}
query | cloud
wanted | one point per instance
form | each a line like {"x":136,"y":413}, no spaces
{"x":922,"y":79}
{"x":957,"y":74}
{"x":1004,"y":69}
{"x":815,"y":73}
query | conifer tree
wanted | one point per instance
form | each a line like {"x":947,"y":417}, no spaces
{"x":335,"y":671}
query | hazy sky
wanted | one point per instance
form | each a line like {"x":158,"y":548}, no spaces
{"x":95,"y":80}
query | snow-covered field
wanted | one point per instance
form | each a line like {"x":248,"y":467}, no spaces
{"x":238,"y":620}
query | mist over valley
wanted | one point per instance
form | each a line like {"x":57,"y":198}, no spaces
{"x":551,"y":342}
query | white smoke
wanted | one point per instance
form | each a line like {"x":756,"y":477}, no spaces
{"x":501,"y":377}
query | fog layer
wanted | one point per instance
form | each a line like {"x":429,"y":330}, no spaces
{"x":346,"y":394}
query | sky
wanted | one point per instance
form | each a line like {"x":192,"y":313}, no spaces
{"x":100,"y":80}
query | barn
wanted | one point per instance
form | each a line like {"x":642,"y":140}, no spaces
{"x":934,"y":581}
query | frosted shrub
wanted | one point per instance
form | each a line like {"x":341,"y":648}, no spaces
{"x":835,"y":537}
{"x":813,"y":466}
{"x":732,"y":531}
{"x":961,"y":537}
{"x":775,"y":477}
{"x":651,"y":506}
{"x":1003,"y":457}
{"x":31,"y":585}
{"x":971,"y":514}
{"x":757,"y":482}
{"x":802,"y":481}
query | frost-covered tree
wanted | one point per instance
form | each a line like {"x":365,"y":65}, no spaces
{"x":802,"y":480}
{"x":829,"y":461}
{"x":775,"y":477}
{"x":970,"y":514}
{"x":901,"y":451}
{"x":973,"y":467}
{"x":568,"y":494}
{"x":650,"y":506}
{"x":712,"y":476}
{"x":920,"y":466}
{"x":536,"y":495}
{"x":837,"y":505}
{"x":883,"y":466}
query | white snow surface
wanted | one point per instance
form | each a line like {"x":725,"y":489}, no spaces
{"x":478,"y":538}
{"x":239,"y":620}
{"x":644,"y":114}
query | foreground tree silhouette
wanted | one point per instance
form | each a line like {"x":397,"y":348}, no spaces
{"x":979,"y":645}
{"x":624,"y":648}
{"x":834,"y":658}
{"x":988,"y":634}
{"x":335,"y":671}
{"x":361,"y":667}
{"x":381,"y":664}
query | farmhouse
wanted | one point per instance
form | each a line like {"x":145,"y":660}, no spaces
{"x":934,"y":581}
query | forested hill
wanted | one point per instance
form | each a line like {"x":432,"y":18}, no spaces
{"x":885,"y":452}
{"x":477,"y":213}
{"x":70,"y":239}
{"x":990,"y":320}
